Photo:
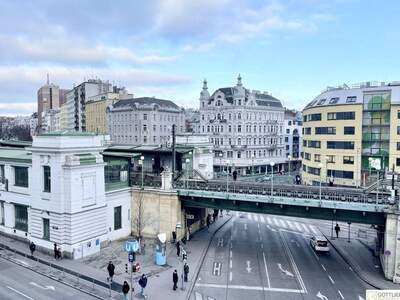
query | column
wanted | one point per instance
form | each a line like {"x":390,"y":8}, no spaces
{"x":391,"y":256}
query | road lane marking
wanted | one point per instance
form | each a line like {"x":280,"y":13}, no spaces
{"x":248,"y":266}
{"x":315,"y":255}
{"x":230,"y":276}
{"x":293,"y":263}
{"x":276,"y":222}
{"x":305,"y":227}
{"x":230,"y":254}
{"x":198,"y":296}
{"x":266,"y":270}
{"x":322,"y":297}
{"x":291,"y":225}
{"x":262,"y":219}
{"x":282,"y":222}
{"x":255,"y":218}
{"x":285,"y":271}
{"x":330,"y":278}
{"x":217,"y":269}
{"x":270,"y":228}
{"x":20,"y":293}
{"x":262,"y":246}
{"x":323,"y":267}
{"x":313,"y":229}
{"x":245,"y":226}
{"x":210,"y":298}
{"x":340,"y":293}
{"x":269,"y":220}
{"x":47,"y":287}
{"x":245,"y":287}
{"x":298,"y":226}
{"x":230,"y":263}
{"x":249,"y":216}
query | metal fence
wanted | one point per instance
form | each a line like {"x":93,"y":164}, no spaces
{"x":145,"y":179}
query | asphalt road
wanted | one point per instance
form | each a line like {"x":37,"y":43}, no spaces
{"x":269,"y":257}
{"x":17,"y":282}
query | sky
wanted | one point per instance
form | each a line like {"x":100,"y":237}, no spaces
{"x":165,"y":48}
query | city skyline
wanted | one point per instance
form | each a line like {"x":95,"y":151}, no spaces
{"x":292,"y":49}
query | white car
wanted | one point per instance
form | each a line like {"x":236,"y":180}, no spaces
{"x":319,"y":243}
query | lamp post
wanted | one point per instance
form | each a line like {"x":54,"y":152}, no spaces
{"x":227,"y":174}
{"x":252,"y":164}
{"x":289,"y":158}
{"x":326,"y":169}
{"x":141,"y":162}
{"x":220,"y":162}
{"x":187,"y":171}
{"x":320,"y":181}
{"x":272,"y":164}
{"x":369,"y":165}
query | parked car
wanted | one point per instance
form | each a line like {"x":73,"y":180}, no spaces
{"x":319,"y":243}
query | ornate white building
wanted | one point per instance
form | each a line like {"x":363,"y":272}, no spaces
{"x":245,"y":127}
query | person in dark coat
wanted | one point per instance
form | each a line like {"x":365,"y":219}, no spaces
{"x":143,"y":284}
{"x":175,"y":279}
{"x":32,"y":247}
{"x":110,"y":269}
{"x":208,"y":221}
{"x":185,"y":272}
{"x":55,"y":251}
{"x":337,"y":229}
{"x":178,"y":249}
{"x":125,"y":290}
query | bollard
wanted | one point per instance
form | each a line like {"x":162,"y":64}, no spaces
{"x":63,"y":272}
{"x":93,"y":283}
{"x":78,"y":280}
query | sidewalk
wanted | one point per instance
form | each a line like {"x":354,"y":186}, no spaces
{"x":92,"y":269}
{"x":359,"y":255}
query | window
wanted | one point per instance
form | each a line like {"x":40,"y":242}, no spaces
{"x":348,"y":160}
{"x":239,"y":115}
{"x":330,"y":159}
{"x":239,"y":154}
{"x":314,"y":171}
{"x":331,"y":116}
{"x":321,"y":102}
{"x":46,"y":229}
{"x":398,"y":130}
{"x":2,"y":212}
{"x":239,"y":141}
{"x":397,"y":162}
{"x":314,"y":117}
{"x":351,"y":99}
{"x":314,"y":144}
{"x":307,"y":130}
{"x":2,"y":178}
{"x":117,"y":218}
{"x":325,"y":130}
{"x":288,"y":131}
{"x":21,"y":176}
{"x":341,"y":174}
{"x":21,"y":217}
{"x":307,"y":156}
{"x":345,"y":115}
{"x":348,"y":130}
{"x":286,"y":139}
{"x":145,"y":139}
{"x":144,"y":127}
{"x":144,"y":116}
{"x":239,"y":128}
{"x":398,"y":146}
{"x":334,"y":100}
{"x":339,"y":145}
{"x":46,"y":179}
{"x":317,"y":157}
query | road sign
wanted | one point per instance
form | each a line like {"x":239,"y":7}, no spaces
{"x":190,"y":217}
{"x":131,"y":256}
{"x":131,"y":246}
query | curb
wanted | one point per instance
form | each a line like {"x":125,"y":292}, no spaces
{"x":203,"y":256}
{"x":354,"y":267}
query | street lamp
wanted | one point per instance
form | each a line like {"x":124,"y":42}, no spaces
{"x":326,"y":169}
{"x":369,"y":165}
{"x":187,"y":171}
{"x":320,"y":181}
{"x":227,"y":174}
{"x":252,"y":164}
{"x":289,"y":157}
{"x":220,"y":161}
{"x":272,"y":164}
{"x":141,"y":162}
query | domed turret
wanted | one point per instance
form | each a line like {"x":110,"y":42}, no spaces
{"x":204,"y":94}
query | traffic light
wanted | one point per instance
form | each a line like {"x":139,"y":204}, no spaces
{"x":126,"y":268}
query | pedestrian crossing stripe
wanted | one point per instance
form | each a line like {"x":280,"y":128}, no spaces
{"x":269,"y":220}
{"x":282,"y":223}
{"x":313,"y":229}
{"x":262,"y":219}
{"x":305,"y":228}
{"x":276,"y":222}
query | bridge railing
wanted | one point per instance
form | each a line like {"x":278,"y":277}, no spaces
{"x":291,"y":191}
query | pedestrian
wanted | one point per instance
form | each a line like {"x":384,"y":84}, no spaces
{"x":178,"y":249}
{"x":32,"y":247}
{"x":337,"y":229}
{"x":59,"y":253}
{"x":143,"y":283}
{"x":208,"y":221}
{"x":220,"y":213}
{"x":175,"y":279}
{"x":110,"y":269}
{"x":125,"y":290}
{"x":186,"y":272}
{"x":55,"y":251}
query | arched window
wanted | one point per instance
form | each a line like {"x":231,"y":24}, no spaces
{"x":239,"y":116}
{"x":219,"y":116}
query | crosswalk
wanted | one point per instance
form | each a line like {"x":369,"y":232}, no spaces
{"x":281,"y":223}
{"x":198,"y":296}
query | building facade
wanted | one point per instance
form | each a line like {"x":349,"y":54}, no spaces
{"x":96,"y":106}
{"x":74,"y":113}
{"x":51,"y":120}
{"x":245,"y":128}
{"x":144,"y":121}
{"x":351,"y":134}
{"x":293,"y":137}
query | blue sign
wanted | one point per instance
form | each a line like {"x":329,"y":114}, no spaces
{"x":131,"y":246}
{"x":131,"y":257}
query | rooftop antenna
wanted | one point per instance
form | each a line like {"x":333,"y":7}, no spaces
{"x":48,"y":79}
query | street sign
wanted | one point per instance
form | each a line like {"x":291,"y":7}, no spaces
{"x":131,"y":257}
{"x":131,"y":246}
{"x":383,"y":294}
{"x":189,"y":217}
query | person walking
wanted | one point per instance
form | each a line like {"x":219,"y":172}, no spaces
{"x":110,"y":269}
{"x":125,"y":290}
{"x":337,"y":229}
{"x":32,"y":247}
{"x":186,"y":272}
{"x":178,"y":249}
{"x":143,"y":284}
{"x":175,"y":280}
{"x":59,"y":252}
{"x":208,"y":221}
{"x":55,"y":251}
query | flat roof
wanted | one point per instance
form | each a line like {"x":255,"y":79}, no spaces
{"x":68,"y":133}
{"x":15,"y":155}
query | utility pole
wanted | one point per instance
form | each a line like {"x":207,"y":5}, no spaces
{"x":173,"y":152}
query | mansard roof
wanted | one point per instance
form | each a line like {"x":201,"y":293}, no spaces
{"x":147,"y":101}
